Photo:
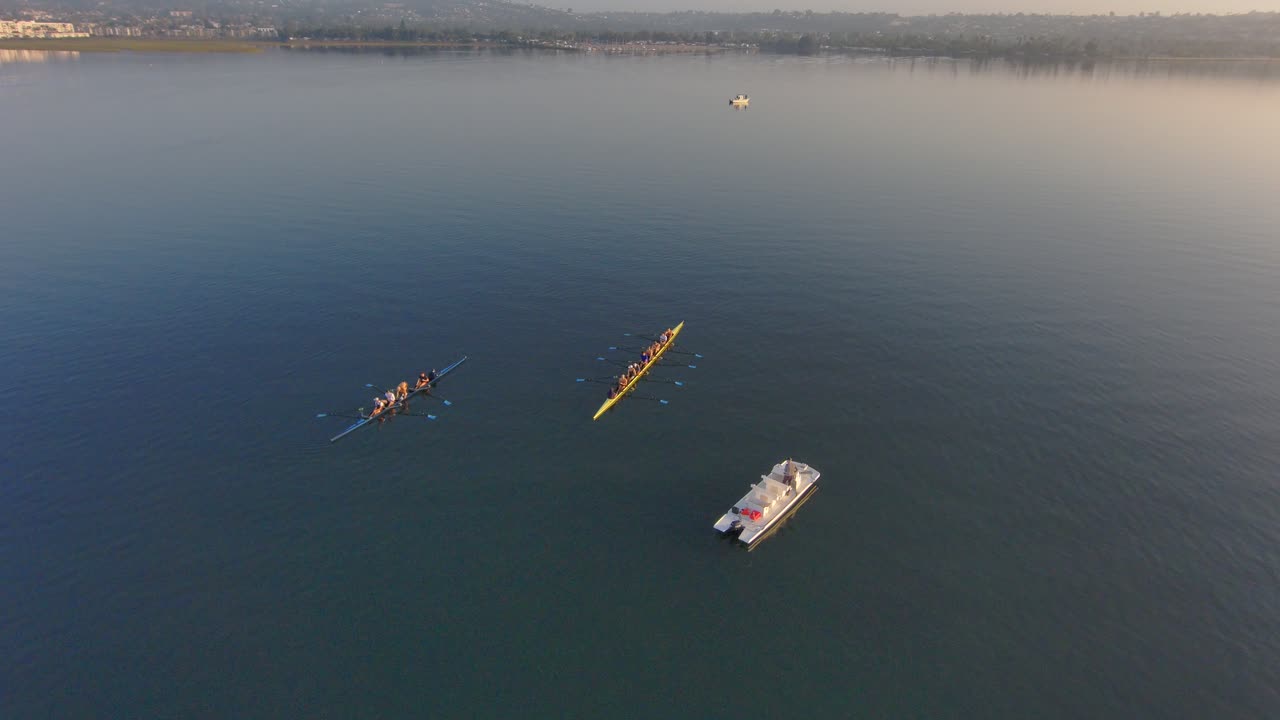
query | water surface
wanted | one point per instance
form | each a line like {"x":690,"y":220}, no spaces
{"x":1023,"y":320}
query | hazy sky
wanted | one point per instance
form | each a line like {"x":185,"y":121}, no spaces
{"x":925,"y":7}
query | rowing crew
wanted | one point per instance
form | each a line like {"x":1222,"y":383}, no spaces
{"x":624,"y":379}
{"x":634,"y":369}
{"x":652,"y":351}
{"x":401,"y":393}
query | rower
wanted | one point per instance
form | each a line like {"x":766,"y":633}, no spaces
{"x":378,"y":405}
{"x":431,"y":376}
{"x":422,"y":381}
{"x":402,"y":391}
{"x":391,"y":398}
{"x":613,"y":392}
{"x":644,"y":358}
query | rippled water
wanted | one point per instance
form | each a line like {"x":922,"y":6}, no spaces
{"x":1022,"y":320}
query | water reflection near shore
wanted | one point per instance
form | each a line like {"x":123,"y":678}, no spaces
{"x":37,"y":56}
{"x":1260,"y":70}
{"x":410,"y":51}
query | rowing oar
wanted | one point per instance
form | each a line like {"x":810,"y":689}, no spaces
{"x":377,"y":417}
{"x":609,"y":381}
{"x":375,"y":387}
{"x":652,"y":339}
{"x":649,"y":397}
{"x":668,"y":352}
{"x":676,"y":364}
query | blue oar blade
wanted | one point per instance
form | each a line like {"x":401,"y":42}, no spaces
{"x":679,"y":384}
{"x":664,"y":402}
{"x":431,"y":417}
{"x":693,"y":367}
{"x":599,"y":358}
{"x":613,"y":347}
{"x":320,"y":415}
{"x":447,"y":402}
{"x":580,"y":380}
{"x":697,"y":356}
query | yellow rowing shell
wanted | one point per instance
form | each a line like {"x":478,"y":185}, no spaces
{"x":635,"y":380}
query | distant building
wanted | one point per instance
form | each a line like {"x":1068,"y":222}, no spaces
{"x":30,"y":29}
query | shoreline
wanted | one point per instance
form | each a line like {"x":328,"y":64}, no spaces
{"x":486,"y":44}
{"x":194,"y":45}
{"x":106,"y":44}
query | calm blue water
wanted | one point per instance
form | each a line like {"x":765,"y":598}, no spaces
{"x":1025,"y":323}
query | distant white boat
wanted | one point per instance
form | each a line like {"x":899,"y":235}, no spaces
{"x":769,"y":501}
{"x":740,"y":100}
